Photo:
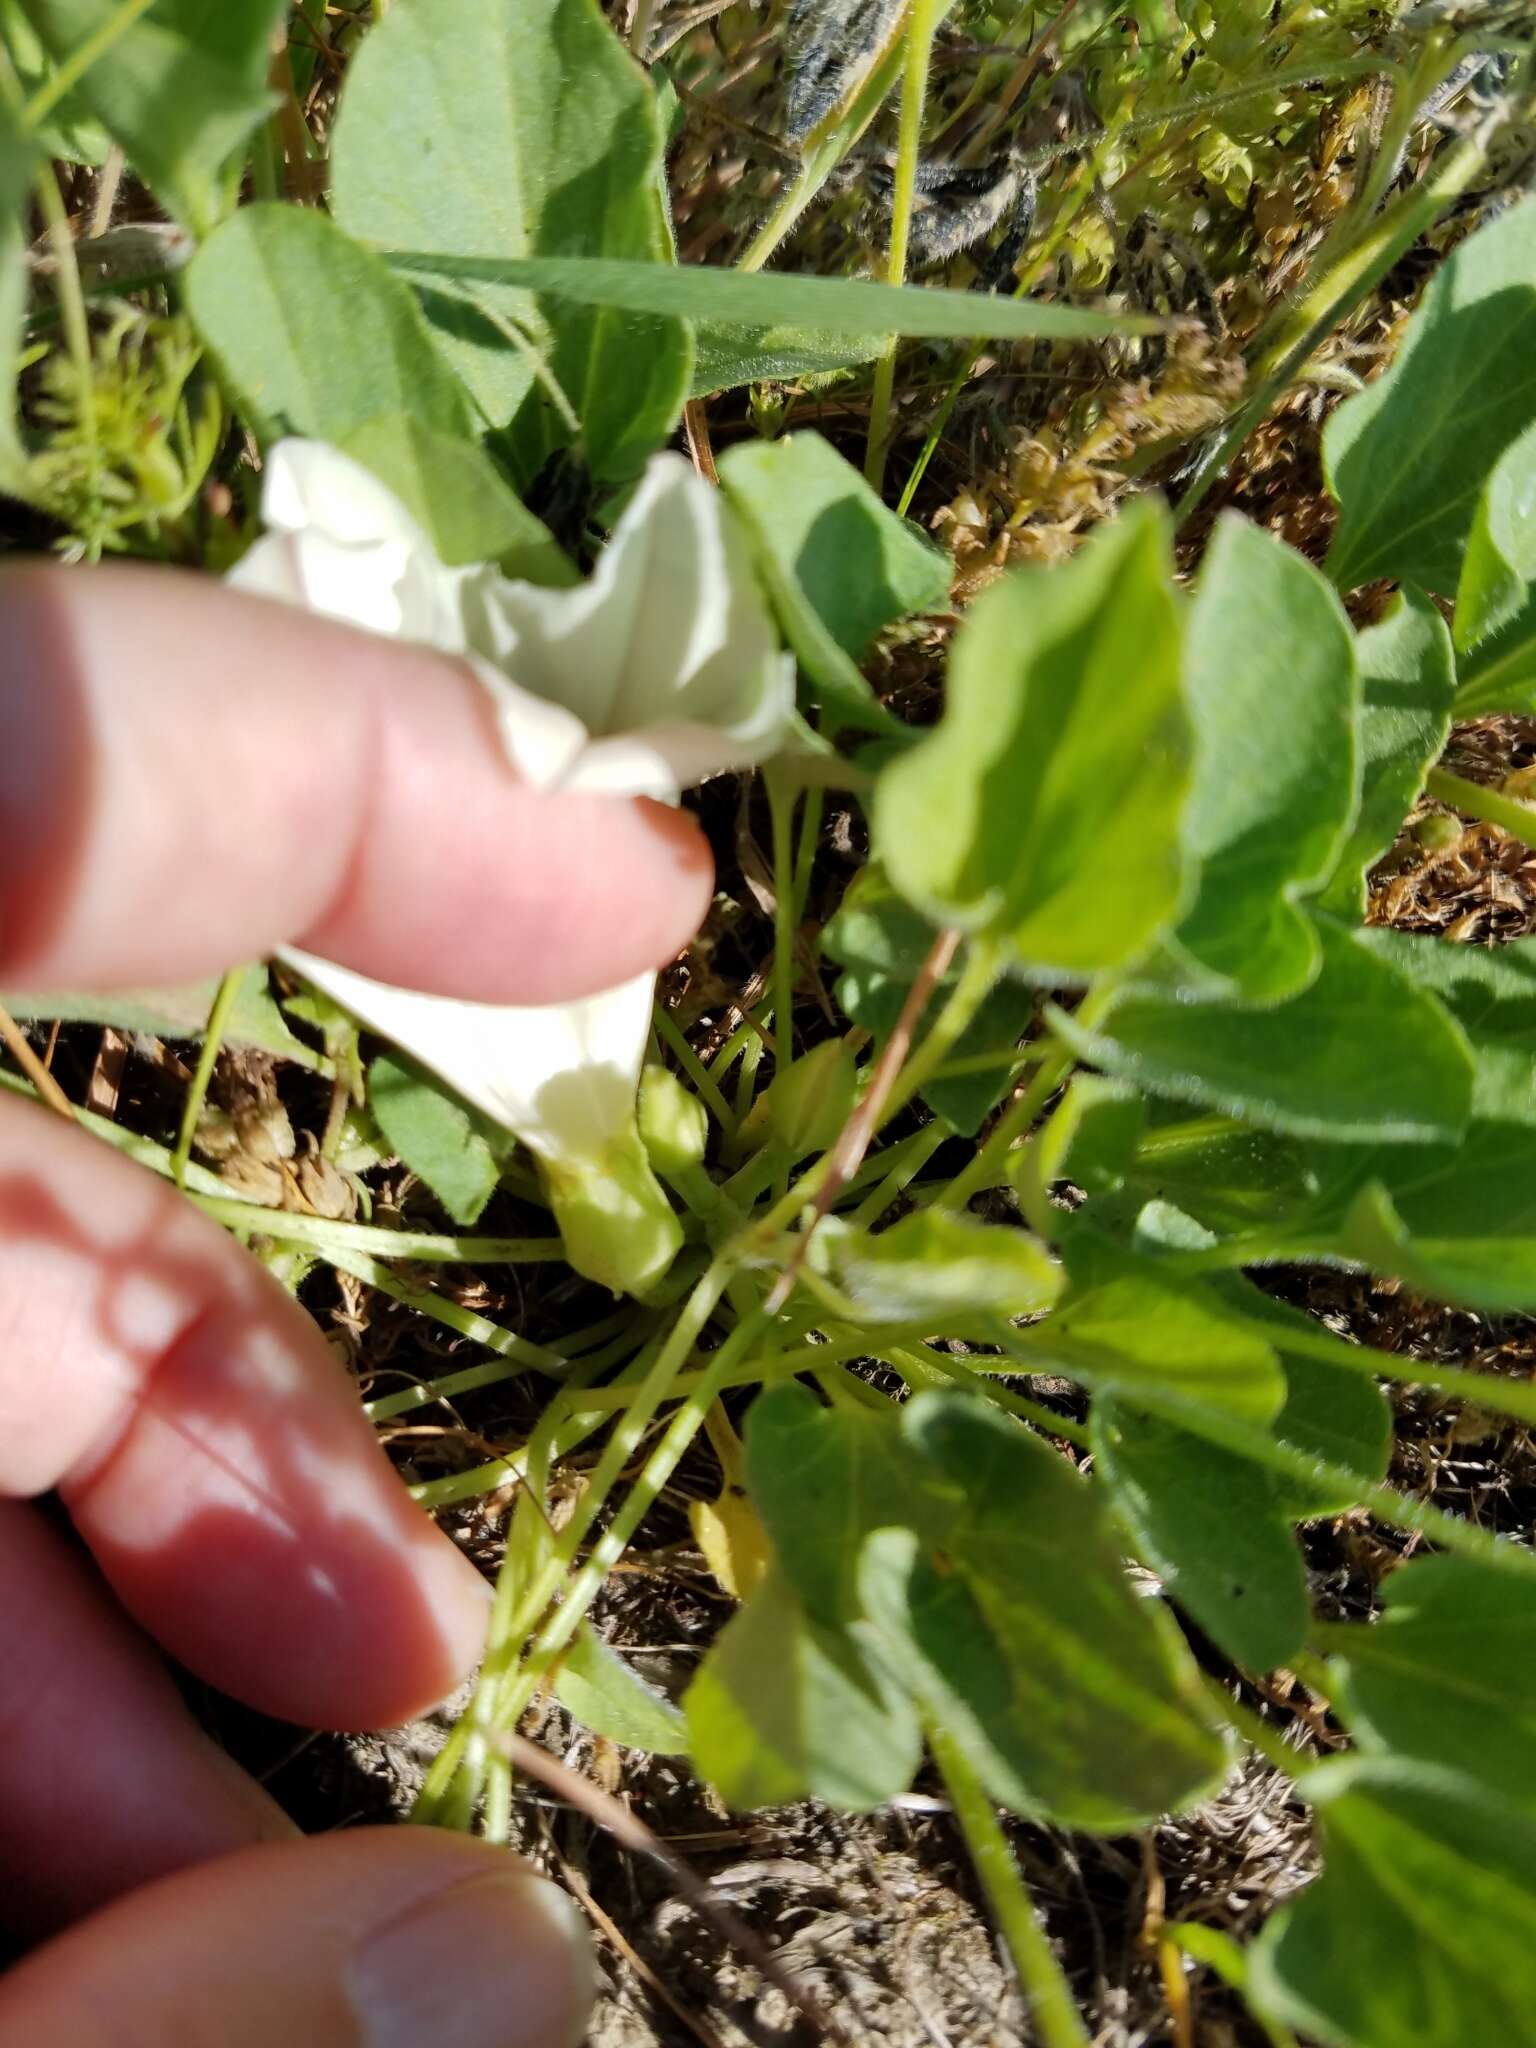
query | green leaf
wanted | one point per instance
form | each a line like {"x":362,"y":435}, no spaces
{"x":953,"y":1271}
{"x":831,"y":305}
{"x":1211,"y":1529}
{"x":312,"y":332}
{"x":1046,"y":805}
{"x":180,"y":89}
{"x":725,"y":356}
{"x":253,"y":1019}
{"x":1090,"y":1140}
{"x":838,"y":563}
{"x":603,"y":1692}
{"x":1423,"y":1925}
{"x":1408,"y":678}
{"x":1407,"y":458}
{"x":784,"y":1708}
{"x":455,"y":492}
{"x":1447,"y":1673}
{"x":822,"y":1479}
{"x":1361,"y":1053}
{"x":1334,"y":1411}
{"x":1010,"y":1612}
{"x":1491,"y":993}
{"x":469,"y":125}
{"x":1456,"y":1224}
{"x":1496,"y":599}
{"x":1273,"y":694}
{"x":881,"y":943}
{"x":1227,"y":1175}
{"x":1500,"y":562}
{"x":1166,"y":1341}
{"x":436,"y":1136}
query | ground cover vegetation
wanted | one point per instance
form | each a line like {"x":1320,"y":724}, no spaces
{"x":967,"y":1217}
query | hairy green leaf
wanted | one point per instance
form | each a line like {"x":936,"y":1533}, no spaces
{"x":469,"y":126}
{"x":437,"y":1136}
{"x":956,"y":1271}
{"x":312,"y":332}
{"x":253,"y":1018}
{"x":1496,"y":599}
{"x":1408,"y":678}
{"x":1273,"y":694}
{"x":838,"y":563}
{"x":1210,"y":1527}
{"x":1407,"y":458}
{"x":1422,"y":1927}
{"x":1361,"y":1053}
{"x":1008,"y":1608}
{"x":1447,"y":1673}
{"x":725,"y":356}
{"x":180,"y":89}
{"x":457,"y":495}
{"x":1127,"y":1325}
{"x":784,"y":1707}
{"x":604,"y":1693}
{"x":1046,"y":807}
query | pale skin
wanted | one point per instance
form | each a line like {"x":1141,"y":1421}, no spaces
{"x":190,"y":777}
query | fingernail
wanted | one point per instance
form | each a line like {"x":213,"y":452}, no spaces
{"x":500,"y":1962}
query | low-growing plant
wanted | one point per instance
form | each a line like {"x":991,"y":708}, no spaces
{"x":1105,"y":966}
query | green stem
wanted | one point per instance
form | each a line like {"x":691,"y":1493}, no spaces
{"x":1488,"y":805}
{"x":922,"y":24}
{"x":1052,"y":2008}
{"x":325,"y":1235}
{"x":989,"y":1168}
{"x":916,"y":1151}
{"x":197,"y":1094}
{"x":706,"y":1087}
{"x":520,"y":1354}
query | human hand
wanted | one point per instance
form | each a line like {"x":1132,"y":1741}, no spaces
{"x":189,"y":778}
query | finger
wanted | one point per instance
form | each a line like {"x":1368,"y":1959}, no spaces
{"x":366,"y":1940}
{"x":210,"y":1447}
{"x":191,"y":776}
{"x":106,"y":1782}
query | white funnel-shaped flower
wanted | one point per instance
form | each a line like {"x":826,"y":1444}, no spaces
{"x":660,"y":670}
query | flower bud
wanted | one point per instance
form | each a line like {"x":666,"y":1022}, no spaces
{"x":674,"y":1125}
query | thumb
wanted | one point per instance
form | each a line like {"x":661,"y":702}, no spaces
{"x":372,"y":1939}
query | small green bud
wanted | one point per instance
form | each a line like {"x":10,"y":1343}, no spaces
{"x":1436,"y":832}
{"x":618,"y":1226}
{"x":805,"y":1107}
{"x":674,"y":1125}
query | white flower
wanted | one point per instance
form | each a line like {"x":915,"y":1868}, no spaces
{"x":661,"y":669}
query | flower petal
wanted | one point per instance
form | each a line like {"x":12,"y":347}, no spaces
{"x":669,"y":639}
{"x":563,"y":1078}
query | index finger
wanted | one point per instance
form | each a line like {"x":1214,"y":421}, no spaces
{"x":191,"y":776}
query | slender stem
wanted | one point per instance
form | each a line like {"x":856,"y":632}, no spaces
{"x":706,"y":1087}
{"x":72,"y":311}
{"x":197,"y":1094}
{"x":989,"y":1168}
{"x":916,"y":1152}
{"x":1052,"y":2008}
{"x":1488,"y":805}
{"x":781,"y":808}
{"x":922,"y":24}
{"x":325,"y":1235}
